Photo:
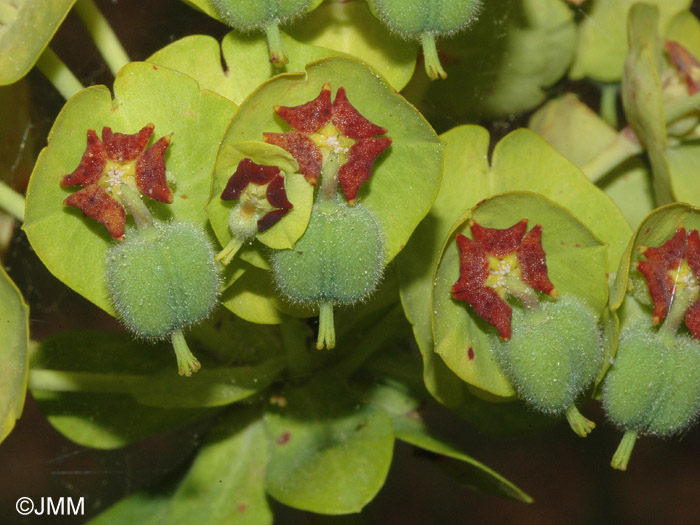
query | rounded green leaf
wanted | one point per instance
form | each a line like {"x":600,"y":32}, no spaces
{"x":25,"y":30}
{"x":329,"y":452}
{"x":563,"y":121}
{"x":576,"y":265}
{"x":406,"y":178}
{"x":14,"y":353}
{"x":74,"y":247}
{"x":224,"y":484}
{"x":602,"y":41}
{"x":287,"y":231}
{"x":246,"y":59}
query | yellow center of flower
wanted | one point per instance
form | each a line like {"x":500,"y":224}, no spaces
{"x":117,"y":173}
{"x":499,"y":269}
{"x":253,"y":201}
{"x":329,"y":140}
{"x":685,"y":280}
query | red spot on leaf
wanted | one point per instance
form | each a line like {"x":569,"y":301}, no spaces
{"x":470,"y":353}
{"x":241,"y":507}
{"x":284,"y":438}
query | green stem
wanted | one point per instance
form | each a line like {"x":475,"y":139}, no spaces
{"x":187,"y":363}
{"x":581,"y":425}
{"x":625,"y":145}
{"x":58,"y":74}
{"x":226,"y":255}
{"x":138,"y":210}
{"x":11,"y":201}
{"x":294,"y":338}
{"x":278,"y":55}
{"x":433,"y":67}
{"x":608,"y":104}
{"x":624,"y":450}
{"x":680,"y":108}
{"x":103,"y":35}
{"x":329,"y":177}
{"x":64,"y":381}
{"x":326,"y":327}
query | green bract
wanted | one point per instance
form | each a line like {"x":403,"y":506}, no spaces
{"x":405,"y":179}
{"x":26,"y":28}
{"x":576,"y":263}
{"x":14,"y":353}
{"x":520,"y":161}
{"x":73,"y":247}
{"x":425,"y":20}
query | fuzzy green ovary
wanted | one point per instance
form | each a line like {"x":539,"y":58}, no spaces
{"x":636,"y":378}
{"x":681,"y":398}
{"x":411,"y":19}
{"x":339,"y":259}
{"x":162,"y":279}
{"x":246,"y":15}
{"x":553,"y":355}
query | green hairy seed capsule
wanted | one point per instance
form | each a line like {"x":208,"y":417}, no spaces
{"x":653,"y":386}
{"x":425,"y":20}
{"x":162,"y":279}
{"x":554,"y":353}
{"x":339,"y":259}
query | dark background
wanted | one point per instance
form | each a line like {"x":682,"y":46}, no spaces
{"x":568,"y":477}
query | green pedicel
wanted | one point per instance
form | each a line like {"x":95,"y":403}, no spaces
{"x":339,"y":260}
{"x":266,"y":15}
{"x":425,"y":20}
{"x":163,"y":279}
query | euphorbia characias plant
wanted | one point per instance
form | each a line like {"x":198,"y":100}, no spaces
{"x":232,"y":192}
